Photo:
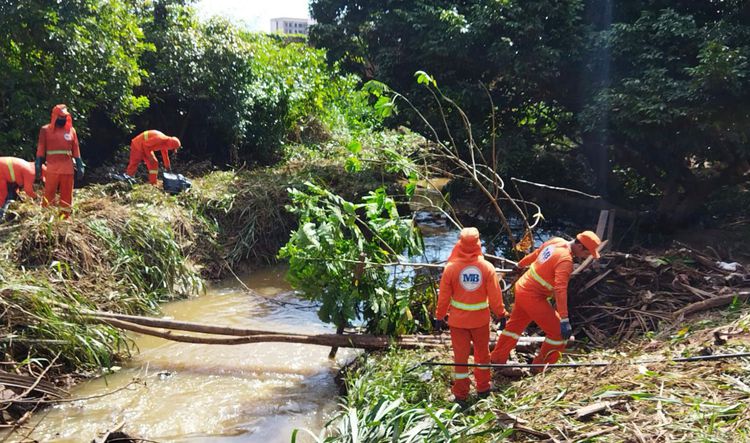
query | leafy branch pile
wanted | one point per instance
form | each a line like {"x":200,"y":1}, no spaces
{"x":629,"y":295}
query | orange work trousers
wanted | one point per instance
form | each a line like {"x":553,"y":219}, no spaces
{"x":462,"y":338}
{"x":138,"y":155}
{"x":531,"y":307}
{"x":63,"y":183}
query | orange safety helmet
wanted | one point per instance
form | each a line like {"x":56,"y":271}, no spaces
{"x":590,"y":241}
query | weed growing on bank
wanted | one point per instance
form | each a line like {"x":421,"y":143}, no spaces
{"x":391,"y":398}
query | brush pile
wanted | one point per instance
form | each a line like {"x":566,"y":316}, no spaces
{"x":626,"y":295}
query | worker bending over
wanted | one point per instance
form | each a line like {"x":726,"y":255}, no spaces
{"x":469,"y":288}
{"x":143,"y":147}
{"x":547,"y":278}
{"x":58,"y":147}
{"x":15,"y":173}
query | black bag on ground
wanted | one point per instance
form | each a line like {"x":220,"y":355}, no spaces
{"x":122,"y":178}
{"x":175,"y":183}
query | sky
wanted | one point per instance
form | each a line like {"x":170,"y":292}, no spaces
{"x":256,"y":15}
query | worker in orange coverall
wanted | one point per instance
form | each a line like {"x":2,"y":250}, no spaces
{"x":15,"y":173}
{"x":469,"y":288}
{"x":142,"y":148}
{"x":58,"y":147}
{"x":549,"y":270}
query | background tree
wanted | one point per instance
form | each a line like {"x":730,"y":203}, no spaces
{"x":675,"y":109}
{"x":83,"y":53}
{"x":652,"y":94}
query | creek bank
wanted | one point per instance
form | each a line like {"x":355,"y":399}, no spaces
{"x":128,"y":250}
{"x":388,"y":393}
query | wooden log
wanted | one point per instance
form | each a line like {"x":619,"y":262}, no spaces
{"x":363,"y":341}
{"x":181,"y":325}
{"x":710,"y":303}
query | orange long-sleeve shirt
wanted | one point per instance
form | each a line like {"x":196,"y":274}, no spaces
{"x":549,"y":271}
{"x":469,"y":287}
{"x":152,"y":140}
{"x":20,"y":172}
{"x":59,"y":145}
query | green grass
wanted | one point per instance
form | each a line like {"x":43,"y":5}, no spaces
{"x":681,"y":402}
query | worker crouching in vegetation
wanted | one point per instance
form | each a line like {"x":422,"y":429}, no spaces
{"x":58,"y":147}
{"x":142,"y":149}
{"x":469,"y":288}
{"x":14,"y":174}
{"x":547,"y":278}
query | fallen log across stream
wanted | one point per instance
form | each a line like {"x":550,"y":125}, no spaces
{"x":223,"y":335}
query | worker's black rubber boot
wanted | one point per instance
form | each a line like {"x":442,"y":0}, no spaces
{"x":483,"y":394}
{"x":461,"y":402}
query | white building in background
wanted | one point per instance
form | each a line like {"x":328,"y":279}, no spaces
{"x":287,"y":25}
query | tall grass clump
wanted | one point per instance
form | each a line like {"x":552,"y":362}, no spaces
{"x":386,"y":401}
{"x":36,"y":327}
{"x":121,"y":253}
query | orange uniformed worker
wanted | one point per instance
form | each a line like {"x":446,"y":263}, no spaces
{"x":549,"y":270}
{"x":469,"y":288}
{"x":58,"y":147}
{"x":15,"y":173}
{"x":142,"y":148}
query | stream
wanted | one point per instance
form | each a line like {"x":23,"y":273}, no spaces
{"x":181,"y":392}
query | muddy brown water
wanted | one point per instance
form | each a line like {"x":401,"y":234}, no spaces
{"x":180,"y":392}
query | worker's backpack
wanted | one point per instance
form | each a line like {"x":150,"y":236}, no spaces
{"x":175,"y":183}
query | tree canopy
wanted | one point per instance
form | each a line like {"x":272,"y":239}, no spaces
{"x":123,"y":66}
{"x":652,"y":93}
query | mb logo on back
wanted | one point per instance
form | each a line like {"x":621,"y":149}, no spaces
{"x":470,"y":278}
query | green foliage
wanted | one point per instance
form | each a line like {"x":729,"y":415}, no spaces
{"x":388,"y":402}
{"x":675,"y":105}
{"x":82,"y":53}
{"x":654,"y":94}
{"x":336,"y":257}
{"x":524,"y":51}
{"x":110,"y":256}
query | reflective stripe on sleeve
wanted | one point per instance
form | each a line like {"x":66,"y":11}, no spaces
{"x":145,"y":135}
{"x":10,"y":168}
{"x":554,"y":342}
{"x":470,"y":306}
{"x":539,"y":278}
{"x":153,"y":171}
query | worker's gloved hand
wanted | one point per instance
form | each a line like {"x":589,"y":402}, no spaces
{"x":80,"y":168}
{"x":38,"y":168}
{"x":565,"y":329}
{"x":502,"y":321}
{"x":439,"y":324}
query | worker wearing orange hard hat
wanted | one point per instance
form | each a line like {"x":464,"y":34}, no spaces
{"x":469,"y":289}
{"x":142,"y":149}
{"x":549,"y":269}
{"x":58,"y":148}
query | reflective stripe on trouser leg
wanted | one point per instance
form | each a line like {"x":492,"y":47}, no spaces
{"x":66,"y":194}
{"x":136,"y":157}
{"x":481,"y":338}
{"x":51,"y":184}
{"x":508,"y":338}
{"x":153,"y":168}
{"x":546,"y":317}
{"x":461,"y":341}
